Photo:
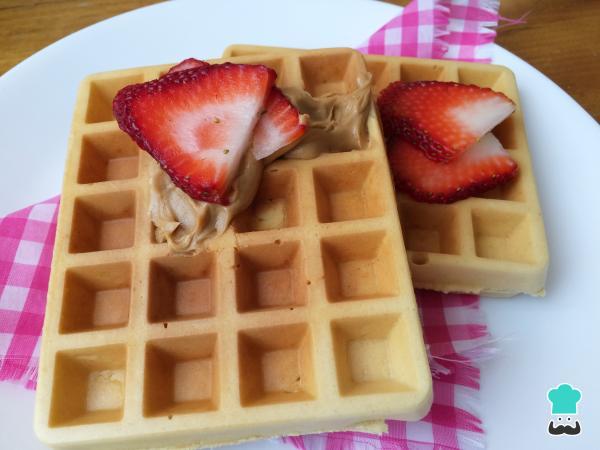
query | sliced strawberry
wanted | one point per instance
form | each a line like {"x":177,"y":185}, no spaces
{"x":197,"y":123}
{"x":484,"y":166}
{"x":189,"y":63}
{"x":441,"y":118}
{"x":279,"y":126}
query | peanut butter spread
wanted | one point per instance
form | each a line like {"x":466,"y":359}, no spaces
{"x":338,"y":122}
{"x":184,"y":223}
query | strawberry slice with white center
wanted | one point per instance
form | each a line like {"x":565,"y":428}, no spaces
{"x":443,"y":119}
{"x":483,"y":167}
{"x":189,"y":63}
{"x":197,"y":123}
{"x":279,"y":126}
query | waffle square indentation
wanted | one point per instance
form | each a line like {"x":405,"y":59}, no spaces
{"x":420,"y":72}
{"x":89,"y":386}
{"x":331,"y":74}
{"x":107,"y":156}
{"x":102,"y":93}
{"x":348,"y":192}
{"x":430,"y":228}
{"x":380,"y":70}
{"x":276,"y":365}
{"x":479,"y":76}
{"x":270,"y":276}
{"x":96,"y":298}
{"x":503,"y":235}
{"x":372,"y":355}
{"x":275,"y":205}
{"x":103,"y":222}
{"x":181,"y":376}
{"x":182,"y":288}
{"x":359,"y":266}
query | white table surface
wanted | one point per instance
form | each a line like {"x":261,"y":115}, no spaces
{"x":542,"y":342}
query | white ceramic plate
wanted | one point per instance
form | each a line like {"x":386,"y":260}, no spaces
{"x":543,"y":342}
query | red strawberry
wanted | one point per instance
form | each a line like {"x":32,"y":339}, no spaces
{"x":189,"y":63}
{"x":441,"y":118}
{"x":485,"y":166}
{"x":197,"y":123}
{"x":279,"y":126}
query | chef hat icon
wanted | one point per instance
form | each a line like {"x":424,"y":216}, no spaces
{"x":564,"y":399}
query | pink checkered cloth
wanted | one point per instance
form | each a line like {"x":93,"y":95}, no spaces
{"x":26,"y":243}
{"x":455,"y":332}
{"x":449,"y":29}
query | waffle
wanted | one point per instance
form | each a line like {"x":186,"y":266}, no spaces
{"x":493,"y":244}
{"x":301,"y":317}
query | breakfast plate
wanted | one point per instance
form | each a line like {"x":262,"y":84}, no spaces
{"x":542,"y":341}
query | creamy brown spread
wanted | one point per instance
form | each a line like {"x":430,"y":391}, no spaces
{"x":184,"y":223}
{"x":338,"y":122}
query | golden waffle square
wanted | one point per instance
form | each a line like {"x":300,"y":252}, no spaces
{"x":301,"y":317}
{"x":493,"y":244}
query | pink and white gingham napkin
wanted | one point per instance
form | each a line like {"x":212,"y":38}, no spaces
{"x":450,"y":29}
{"x":454,"y":330}
{"x":26,"y":243}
